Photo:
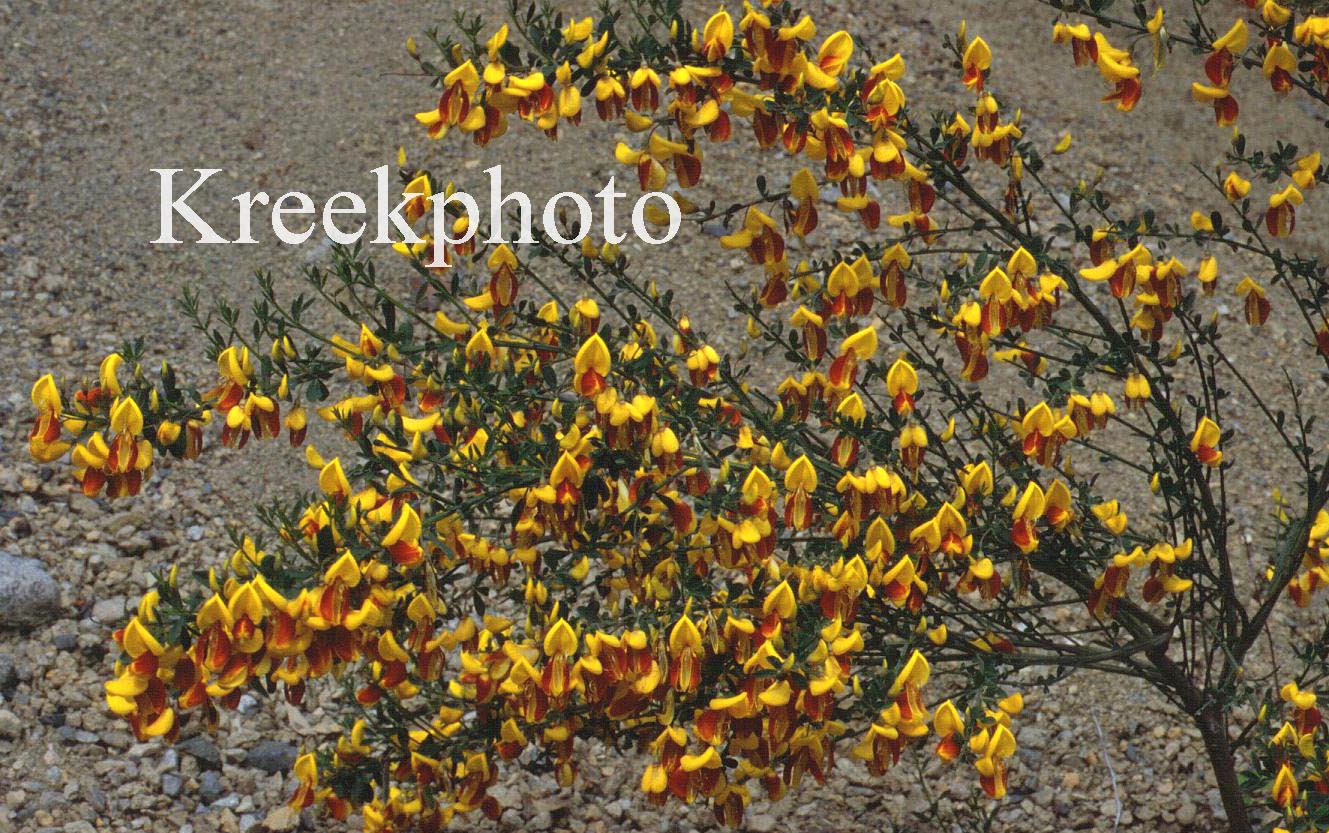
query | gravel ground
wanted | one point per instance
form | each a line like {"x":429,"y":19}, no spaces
{"x":95,"y":94}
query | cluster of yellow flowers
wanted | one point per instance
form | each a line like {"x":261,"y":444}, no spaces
{"x":1295,"y":53}
{"x":1315,"y":563}
{"x":1115,"y":65}
{"x":1299,"y":761}
{"x":377,"y":601}
{"x":119,"y":466}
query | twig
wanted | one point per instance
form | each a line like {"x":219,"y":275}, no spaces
{"x":1112,"y":773}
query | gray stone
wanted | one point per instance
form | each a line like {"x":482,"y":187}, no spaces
{"x":28,"y":594}
{"x":8,"y":675}
{"x":203,"y":750}
{"x":1186,"y":814}
{"x":109,"y":611}
{"x":171,"y":784}
{"x":271,"y":756}
{"x":10,"y":726}
{"x":96,"y":797}
{"x":209,"y":787}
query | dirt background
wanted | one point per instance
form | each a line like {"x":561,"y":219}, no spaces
{"x":311,"y":97}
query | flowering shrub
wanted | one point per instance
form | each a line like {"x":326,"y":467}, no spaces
{"x":566,"y":518}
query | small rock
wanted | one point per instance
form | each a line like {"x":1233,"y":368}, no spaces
{"x":194,"y":533}
{"x":505,"y":796}
{"x":227,"y":802}
{"x":209,"y":787}
{"x":82,"y":505}
{"x":10,"y":726}
{"x":282,"y":818}
{"x":761,"y":822}
{"x":203,"y":750}
{"x":171,"y":784}
{"x":95,"y":797}
{"x":271,"y":756}
{"x":8,"y":675}
{"x":109,"y":611}
{"x":28,"y":594}
{"x":65,"y":641}
{"x":1186,"y":814}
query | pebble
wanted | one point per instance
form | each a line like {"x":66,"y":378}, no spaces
{"x":171,"y":784}
{"x":109,"y":611}
{"x":95,"y":797}
{"x":28,"y":594}
{"x":209,"y":786}
{"x":10,"y":726}
{"x":203,"y":750}
{"x":282,"y":818}
{"x":82,"y":505}
{"x":8,"y":675}
{"x":1185,"y":814}
{"x":271,"y":756}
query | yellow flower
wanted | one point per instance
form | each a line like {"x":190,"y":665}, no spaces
{"x":1306,"y":170}
{"x":44,"y":443}
{"x":592,"y":367}
{"x":1235,"y":187}
{"x":902,"y":384}
{"x":1204,"y":442}
{"x":1255,"y":302}
{"x":717,"y":36}
{"x":1235,"y":39}
{"x":977,"y":60}
{"x":1285,"y":787}
{"x":1136,"y":390}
